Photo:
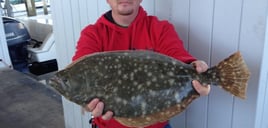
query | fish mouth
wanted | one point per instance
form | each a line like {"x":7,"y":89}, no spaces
{"x":57,"y":85}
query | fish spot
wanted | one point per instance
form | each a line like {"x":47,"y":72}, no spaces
{"x":174,"y":62}
{"x":148,"y":119}
{"x":154,"y":79}
{"x":132,"y":89}
{"x":177,"y":97}
{"x":119,"y":72}
{"x":119,"y":81}
{"x":117,"y":60}
{"x":168,"y":103}
{"x":125,"y":102}
{"x":118,"y":100}
{"x":170,"y":73}
{"x":136,"y":113}
{"x":149,"y":74}
{"x":155,"y":108}
{"x":152,"y":93}
{"x":148,"y":83}
{"x":144,"y":112}
{"x":145,"y":66}
{"x":99,"y":94}
{"x":145,"y":70}
{"x":128,"y":88}
{"x":125,"y":76}
{"x":106,"y":67}
{"x":171,"y":81}
{"x":107,"y":97}
{"x":178,"y":106}
{"x":166,"y":64}
{"x":139,"y":86}
{"x":106,"y":76}
{"x":143,"y":105}
{"x":135,"y":83}
{"x":115,"y":90}
{"x":133,"y":98}
{"x":167,"y":113}
{"x":119,"y":65}
{"x":132,"y":76}
{"x":136,"y":99}
{"x":96,"y":68}
{"x":167,"y":92}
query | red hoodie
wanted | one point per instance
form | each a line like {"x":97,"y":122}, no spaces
{"x":145,"y":32}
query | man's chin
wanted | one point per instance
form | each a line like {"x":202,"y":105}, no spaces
{"x":125,"y":13}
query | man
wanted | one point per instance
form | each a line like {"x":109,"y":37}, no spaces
{"x":127,"y":27}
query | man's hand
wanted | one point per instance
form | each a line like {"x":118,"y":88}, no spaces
{"x":200,"y":67}
{"x":96,"y":109}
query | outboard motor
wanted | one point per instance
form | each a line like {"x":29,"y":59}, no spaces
{"x":17,"y":37}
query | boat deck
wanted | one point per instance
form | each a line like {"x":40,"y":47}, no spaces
{"x":27,"y":103}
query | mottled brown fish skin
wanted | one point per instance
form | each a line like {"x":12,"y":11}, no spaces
{"x":139,"y":86}
{"x":131,"y":83}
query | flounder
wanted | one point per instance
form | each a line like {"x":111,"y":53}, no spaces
{"x":144,"y":87}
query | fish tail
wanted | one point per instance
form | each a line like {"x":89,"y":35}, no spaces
{"x":233,"y":75}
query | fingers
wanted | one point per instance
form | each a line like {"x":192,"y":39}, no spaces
{"x":92,"y":104}
{"x":97,"y":111}
{"x":96,"y":108}
{"x":202,"y":90}
{"x":108,"y":115}
{"x":200,"y":66}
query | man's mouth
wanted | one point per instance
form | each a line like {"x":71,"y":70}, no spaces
{"x":125,"y":3}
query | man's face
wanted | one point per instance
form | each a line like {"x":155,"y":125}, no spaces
{"x":124,"y":7}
